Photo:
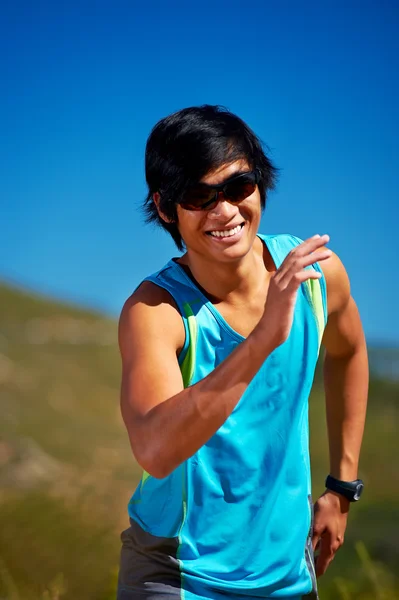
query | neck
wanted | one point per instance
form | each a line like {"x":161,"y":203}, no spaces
{"x":231,"y":280}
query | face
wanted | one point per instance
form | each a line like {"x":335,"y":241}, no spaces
{"x":227,"y":231}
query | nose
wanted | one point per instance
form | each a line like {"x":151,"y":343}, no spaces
{"x":222,"y":210}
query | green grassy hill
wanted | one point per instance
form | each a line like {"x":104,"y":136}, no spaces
{"x":66,"y":470}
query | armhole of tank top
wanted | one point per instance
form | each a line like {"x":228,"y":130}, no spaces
{"x":168,"y":288}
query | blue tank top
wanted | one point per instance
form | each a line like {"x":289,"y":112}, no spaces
{"x":236,"y":517}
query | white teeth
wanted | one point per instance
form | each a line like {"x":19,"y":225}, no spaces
{"x":227,"y":232}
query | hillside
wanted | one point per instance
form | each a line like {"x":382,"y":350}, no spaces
{"x":66,"y":470}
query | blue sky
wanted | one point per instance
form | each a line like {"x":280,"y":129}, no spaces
{"x":84,"y":82}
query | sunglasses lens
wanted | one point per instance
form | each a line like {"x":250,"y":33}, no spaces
{"x":238,"y":190}
{"x":197,"y":197}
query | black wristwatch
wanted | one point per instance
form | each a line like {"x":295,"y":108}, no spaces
{"x":352,"y":490}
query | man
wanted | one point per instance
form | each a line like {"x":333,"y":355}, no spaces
{"x":219,"y":350}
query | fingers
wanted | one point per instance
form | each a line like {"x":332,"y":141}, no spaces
{"x":312,"y":244}
{"x":297,"y":274}
{"x":327,"y":548}
{"x":302,"y":276}
{"x":317,"y":256}
{"x":292,"y":271}
{"x":312,"y":248}
{"x":325,"y":556}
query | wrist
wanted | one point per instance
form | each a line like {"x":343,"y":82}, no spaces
{"x":263,"y":341}
{"x":351,"y":490}
{"x":338,"y":500}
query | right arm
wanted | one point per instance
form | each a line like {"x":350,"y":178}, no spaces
{"x":166,"y":423}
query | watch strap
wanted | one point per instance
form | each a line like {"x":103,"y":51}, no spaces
{"x":349,"y":489}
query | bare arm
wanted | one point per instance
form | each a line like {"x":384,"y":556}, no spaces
{"x":346,"y":387}
{"x":345,"y":374}
{"x":166,"y":423}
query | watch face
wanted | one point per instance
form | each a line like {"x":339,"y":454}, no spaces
{"x":358,"y":492}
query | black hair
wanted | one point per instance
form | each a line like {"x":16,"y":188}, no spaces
{"x":183,"y":147}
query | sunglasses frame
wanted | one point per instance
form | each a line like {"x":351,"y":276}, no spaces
{"x":221,"y":188}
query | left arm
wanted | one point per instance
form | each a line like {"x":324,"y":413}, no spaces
{"x":346,"y":387}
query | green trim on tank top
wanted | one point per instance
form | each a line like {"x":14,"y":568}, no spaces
{"x":188,"y":364}
{"x":316,"y":301}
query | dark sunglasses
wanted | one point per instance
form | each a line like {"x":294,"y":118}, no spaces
{"x":234,"y":190}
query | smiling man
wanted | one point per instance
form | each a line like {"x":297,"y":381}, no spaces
{"x":218,"y":351}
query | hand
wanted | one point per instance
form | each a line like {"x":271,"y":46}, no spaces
{"x":330,"y":518}
{"x":283,"y":288}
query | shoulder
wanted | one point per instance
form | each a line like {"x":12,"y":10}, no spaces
{"x":150,"y":314}
{"x":280,"y":245}
{"x":337,"y":283}
{"x":282,"y":238}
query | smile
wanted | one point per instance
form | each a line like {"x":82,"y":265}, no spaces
{"x":223,"y":233}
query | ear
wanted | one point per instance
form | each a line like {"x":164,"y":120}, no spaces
{"x":157,"y":200}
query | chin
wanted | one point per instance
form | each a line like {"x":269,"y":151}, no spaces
{"x":232,"y":253}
